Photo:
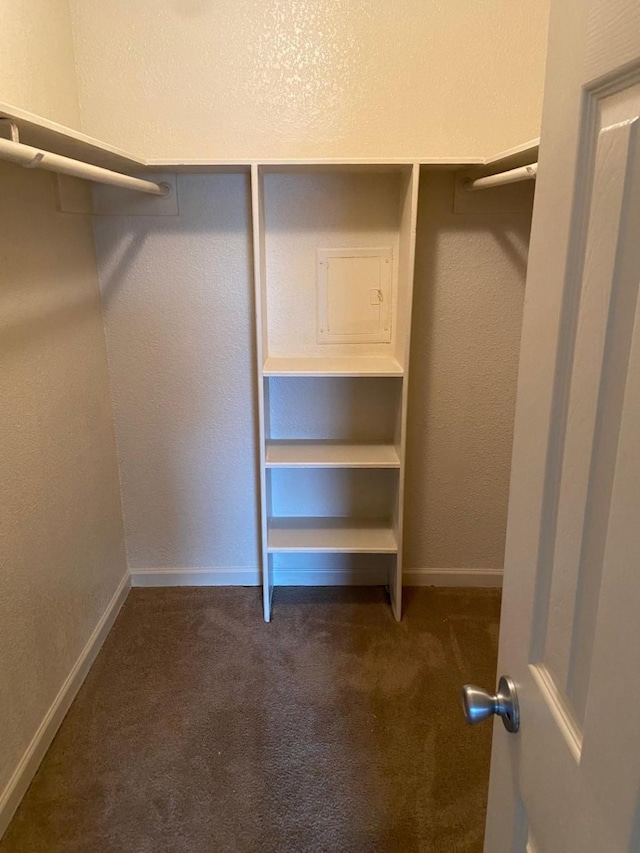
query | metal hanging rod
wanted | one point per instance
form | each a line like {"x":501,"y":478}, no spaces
{"x":524,"y":173}
{"x":34,"y":158}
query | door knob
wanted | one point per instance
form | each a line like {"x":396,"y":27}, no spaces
{"x":479,"y":705}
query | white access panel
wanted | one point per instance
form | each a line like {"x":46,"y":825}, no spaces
{"x":354,"y":295}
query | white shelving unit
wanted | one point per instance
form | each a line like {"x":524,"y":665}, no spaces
{"x":332,"y":407}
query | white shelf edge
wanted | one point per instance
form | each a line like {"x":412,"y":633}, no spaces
{"x":186,"y":163}
{"x":330,"y":454}
{"x":199,"y":166}
{"x":355,"y":366}
{"x":330,"y":536}
{"x":518,"y":152}
{"x":64,"y":136}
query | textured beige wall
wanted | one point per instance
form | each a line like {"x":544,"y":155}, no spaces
{"x":177,"y":297}
{"x":468,"y":300}
{"x":61,"y":537}
{"x":304,"y":78}
{"x":37,"y":65}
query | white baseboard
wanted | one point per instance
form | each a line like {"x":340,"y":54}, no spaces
{"x":196,"y":577}
{"x":251,"y":577}
{"x":26,"y":769}
{"x":452,"y":577}
{"x":313,"y":577}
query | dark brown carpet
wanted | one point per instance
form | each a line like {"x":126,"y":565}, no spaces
{"x":200,"y":728}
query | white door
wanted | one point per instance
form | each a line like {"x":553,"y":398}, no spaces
{"x":569,"y":780}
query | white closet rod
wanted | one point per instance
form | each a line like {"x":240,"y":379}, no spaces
{"x":524,"y":173}
{"x":33,"y":158}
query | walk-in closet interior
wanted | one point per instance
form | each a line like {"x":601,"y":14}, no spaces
{"x":282,"y":352}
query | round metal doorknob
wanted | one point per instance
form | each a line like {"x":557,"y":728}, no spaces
{"x":479,"y":704}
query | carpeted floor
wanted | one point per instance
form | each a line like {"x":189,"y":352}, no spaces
{"x":201,"y":729}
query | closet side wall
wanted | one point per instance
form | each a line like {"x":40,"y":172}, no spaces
{"x":468,"y":301}
{"x":286,"y":79}
{"x":62,"y":555}
{"x":37,"y":63}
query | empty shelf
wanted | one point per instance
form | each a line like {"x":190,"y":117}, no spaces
{"x":337,"y":535}
{"x":330,"y":454}
{"x":349,"y":366}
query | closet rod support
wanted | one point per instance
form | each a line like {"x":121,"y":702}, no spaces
{"x":513,"y":176}
{"x":14,"y":133}
{"x":26,"y":155}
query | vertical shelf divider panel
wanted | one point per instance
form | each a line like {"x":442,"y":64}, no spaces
{"x":406,"y":262}
{"x":376,"y":210}
{"x":260,"y":281}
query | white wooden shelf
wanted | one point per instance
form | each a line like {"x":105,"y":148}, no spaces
{"x":41,"y":132}
{"x":349,"y":164}
{"x":352,"y":366}
{"x":331,"y":535}
{"x":330,"y":454}
{"x":520,"y":155}
{"x":51,"y":136}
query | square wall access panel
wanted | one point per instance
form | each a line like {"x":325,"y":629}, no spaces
{"x":354,"y":295}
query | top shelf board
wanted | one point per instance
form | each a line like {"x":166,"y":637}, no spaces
{"x":364,"y":164}
{"x":354,"y":366}
{"x":356,"y":165}
{"x":521,"y":155}
{"x":48,"y":135}
{"x":513,"y":158}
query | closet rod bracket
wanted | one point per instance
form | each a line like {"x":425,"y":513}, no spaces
{"x":14,"y":132}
